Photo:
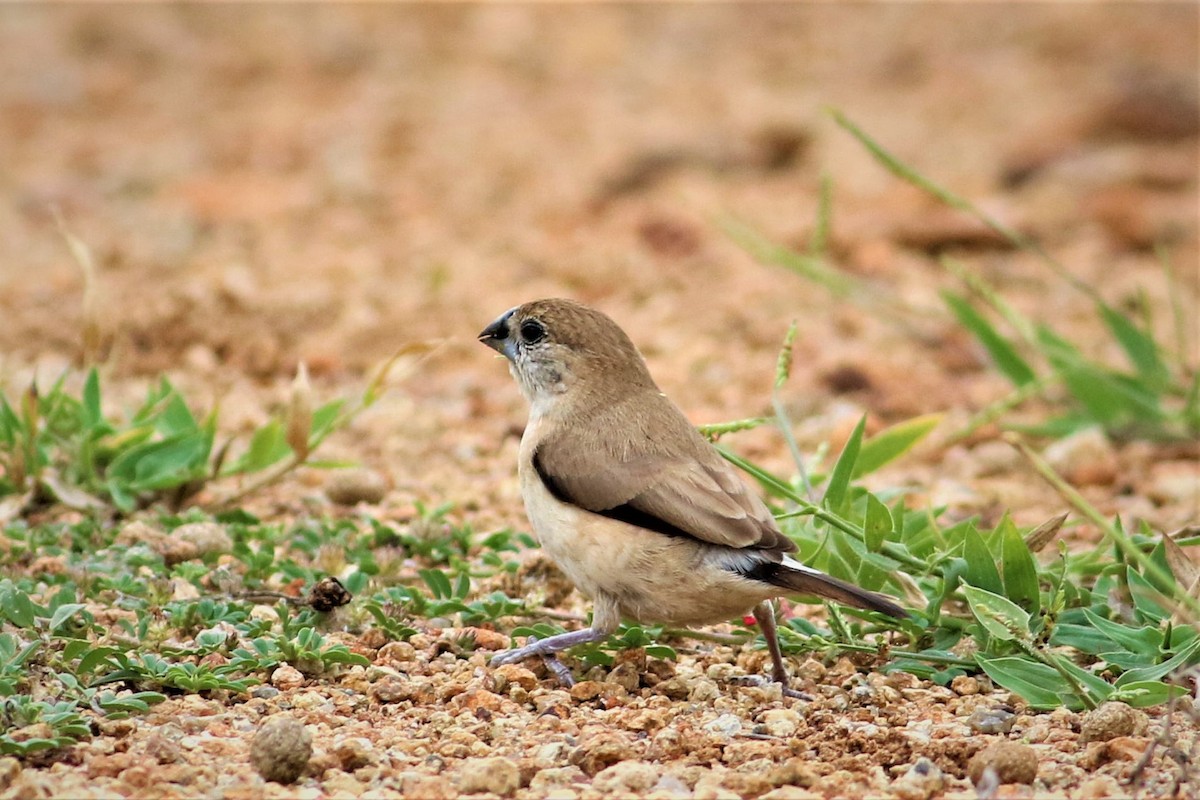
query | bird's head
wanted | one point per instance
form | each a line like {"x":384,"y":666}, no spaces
{"x":555,"y":345}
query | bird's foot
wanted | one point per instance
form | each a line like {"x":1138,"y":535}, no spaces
{"x":557,"y":668}
{"x":547,"y":649}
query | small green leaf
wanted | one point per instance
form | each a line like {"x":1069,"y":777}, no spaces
{"x":462,"y":585}
{"x":1000,"y":617}
{"x":91,"y":401}
{"x":877,"y":524}
{"x":893,"y":442}
{"x":836,"y":495}
{"x":16,"y":605}
{"x":1183,"y":658}
{"x":981,"y":564}
{"x":438,"y":583}
{"x":267,"y":446}
{"x":1144,"y":694}
{"x":1081,"y":637}
{"x":176,"y":418}
{"x":95,"y":658}
{"x":1147,"y":599}
{"x":64,"y":613}
{"x":1038,"y":684}
{"x":661,"y":651}
{"x":1145,"y":639}
{"x":1020,"y":570}
{"x":324,"y":421}
{"x":161,"y":464}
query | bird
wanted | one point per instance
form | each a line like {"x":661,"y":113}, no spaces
{"x":639,"y":511}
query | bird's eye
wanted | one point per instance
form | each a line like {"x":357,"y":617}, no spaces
{"x":532,"y":331}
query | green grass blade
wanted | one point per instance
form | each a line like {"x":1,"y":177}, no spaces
{"x":836,"y":491}
{"x":1002,"y":352}
{"x":1139,"y":347}
{"x":819,"y":241}
{"x":767,"y":252}
{"x":1109,"y":401}
{"x":906,"y":173}
{"x":1097,"y":689}
{"x":1184,"y":657}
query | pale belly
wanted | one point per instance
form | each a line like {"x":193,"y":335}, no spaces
{"x":651,"y":576}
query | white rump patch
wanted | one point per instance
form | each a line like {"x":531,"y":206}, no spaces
{"x":792,"y":563}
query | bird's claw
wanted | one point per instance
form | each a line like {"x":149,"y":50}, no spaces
{"x":531,"y":649}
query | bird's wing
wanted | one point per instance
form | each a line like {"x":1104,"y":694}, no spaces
{"x":660,"y":474}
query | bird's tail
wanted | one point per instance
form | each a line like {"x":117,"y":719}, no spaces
{"x":796,"y":577}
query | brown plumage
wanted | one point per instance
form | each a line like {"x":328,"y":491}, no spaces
{"x":641,"y":512}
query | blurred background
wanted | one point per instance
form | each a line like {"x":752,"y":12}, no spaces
{"x":265,"y":185}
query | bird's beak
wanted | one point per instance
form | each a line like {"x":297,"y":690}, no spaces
{"x":496,"y":336}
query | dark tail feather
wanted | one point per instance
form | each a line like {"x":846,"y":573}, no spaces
{"x":822,"y":585}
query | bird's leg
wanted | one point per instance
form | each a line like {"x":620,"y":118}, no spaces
{"x":764,"y":614}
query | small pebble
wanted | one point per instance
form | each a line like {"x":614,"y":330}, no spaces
{"x":1086,"y":458}
{"x":991,"y":721}
{"x":496,"y":775}
{"x":287,"y":677}
{"x":626,"y":777}
{"x":586,"y":690}
{"x":349,"y":487}
{"x":1013,"y":762}
{"x":390,"y":689}
{"x":626,"y":675}
{"x":10,"y":768}
{"x":281,"y":749}
{"x":781,"y":722}
{"x":922,"y":780}
{"x":725,"y":725}
{"x":1110,"y":720}
{"x":206,"y":537}
{"x":965,"y":685}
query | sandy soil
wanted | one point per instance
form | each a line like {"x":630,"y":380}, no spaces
{"x":269,"y":185}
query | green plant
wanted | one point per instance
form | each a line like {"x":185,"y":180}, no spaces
{"x":64,"y":447}
{"x":31,"y":725}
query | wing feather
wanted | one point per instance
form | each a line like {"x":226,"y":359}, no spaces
{"x":662,"y":475}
